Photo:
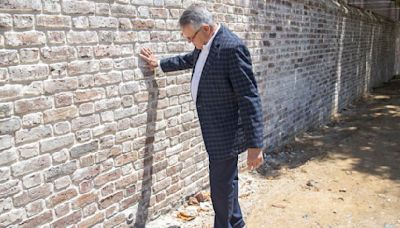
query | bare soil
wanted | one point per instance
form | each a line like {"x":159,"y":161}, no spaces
{"x":352,"y":178}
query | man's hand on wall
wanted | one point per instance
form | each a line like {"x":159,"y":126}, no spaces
{"x":147,"y":55}
{"x":254,"y":158}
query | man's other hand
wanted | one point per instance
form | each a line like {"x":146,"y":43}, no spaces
{"x":254,"y":158}
{"x":148,"y":56}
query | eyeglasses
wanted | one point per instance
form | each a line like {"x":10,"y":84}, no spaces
{"x":190,"y":39}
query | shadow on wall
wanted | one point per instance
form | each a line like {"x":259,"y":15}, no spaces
{"x":142,"y":213}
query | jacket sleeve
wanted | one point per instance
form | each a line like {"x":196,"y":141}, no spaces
{"x":180,"y":62}
{"x":245,"y":87}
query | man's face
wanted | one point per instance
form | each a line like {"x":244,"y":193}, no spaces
{"x":198,"y":37}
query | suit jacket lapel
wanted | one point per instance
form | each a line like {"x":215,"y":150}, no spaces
{"x":212,"y":55}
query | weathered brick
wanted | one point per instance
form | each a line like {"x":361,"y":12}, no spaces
{"x":103,"y":22}
{"x":29,"y":55}
{"x":28,"y":72}
{"x":57,"y":37}
{"x":85,"y":121}
{"x":78,"y":7}
{"x":129,"y":88}
{"x":82,"y":67}
{"x":107,"y":177}
{"x":83,"y":135}
{"x":20,"y":39}
{"x":3,"y":75}
{"x":59,"y":114}
{"x":10,"y":188}
{"x":62,"y":128}
{"x":70,"y":219}
{"x":129,"y":201}
{"x":35,"y":208}
{"x":87,"y":173}
{"x":10,"y":92}
{"x":12,"y":217}
{"x":89,"y":95}
{"x":62,"y":182}
{"x":32,"y":134}
{"x":80,"y":150}
{"x":5,"y":175}
{"x":31,"y":165}
{"x":159,"y":13}
{"x":6,"y":204}
{"x":53,"y":21}
{"x":8,"y":156}
{"x":126,"y":135}
{"x":144,"y":11}
{"x":126,"y":181}
{"x":105,"y":104}
{"x":56,"y":143}
{"x":9,"y":126}
{"x":6,"y":21}
{"x":29,"y":150}
{"x":62,"y":209}
{"x":60,"y":156}
{"x":8,"y":57}
{"x":83,"y":200}
{"x":91,"y":221}
{"x":85,"y":52}
{"x":140,"y":24}
{"x":114,"y":221}
{"x":40,"y":192}
{"x":55,"y":54}
{"x":62,"y":196}
{"x":61,"y":170}
{"x":23,"y":21}
{"x":112,"y":77}
{"x":51,"y":6}
{"x":32,"y":180}
{"x":125,"y":24}
{"x":102,"y":9}
{"x":20,"y":5}
{"x":113,"y":50}
{"x":86,"y":108}
{"x":125,"y":37}
{"x":120,"y":10}
{"x":109,"y":200}
{"x":80,"y":22}
{"x":63,"y":99}
{"x":84,"y":37}
{"x":37,"y":220}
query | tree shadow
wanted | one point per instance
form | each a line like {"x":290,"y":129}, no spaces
{"x":142,"y":212}
{"x":367,"y":134}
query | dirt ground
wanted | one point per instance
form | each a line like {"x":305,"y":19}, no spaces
{"x":344,"y":174}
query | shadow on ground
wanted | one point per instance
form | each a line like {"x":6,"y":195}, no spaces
{"x":368,"y":131}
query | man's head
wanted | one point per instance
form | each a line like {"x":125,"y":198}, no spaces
{"x":197,"y":25}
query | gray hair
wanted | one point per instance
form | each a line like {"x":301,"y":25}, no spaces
{"x":196,"y":15}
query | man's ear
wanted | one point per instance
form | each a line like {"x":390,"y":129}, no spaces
{"x":206,"y":28}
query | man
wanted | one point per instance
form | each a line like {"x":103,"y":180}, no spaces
{"x":224,"y":90}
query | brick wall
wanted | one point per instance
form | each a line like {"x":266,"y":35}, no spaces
{"x":88,"y":136}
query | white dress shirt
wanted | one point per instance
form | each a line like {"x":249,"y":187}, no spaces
{"x":201,"y":60}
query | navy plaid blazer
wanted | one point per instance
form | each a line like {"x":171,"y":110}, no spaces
{"x":228,"y":103}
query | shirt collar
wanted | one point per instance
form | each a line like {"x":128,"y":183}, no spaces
{"x":207,"y":46}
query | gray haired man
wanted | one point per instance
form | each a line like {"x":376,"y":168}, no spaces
{"x":225,"y":92}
